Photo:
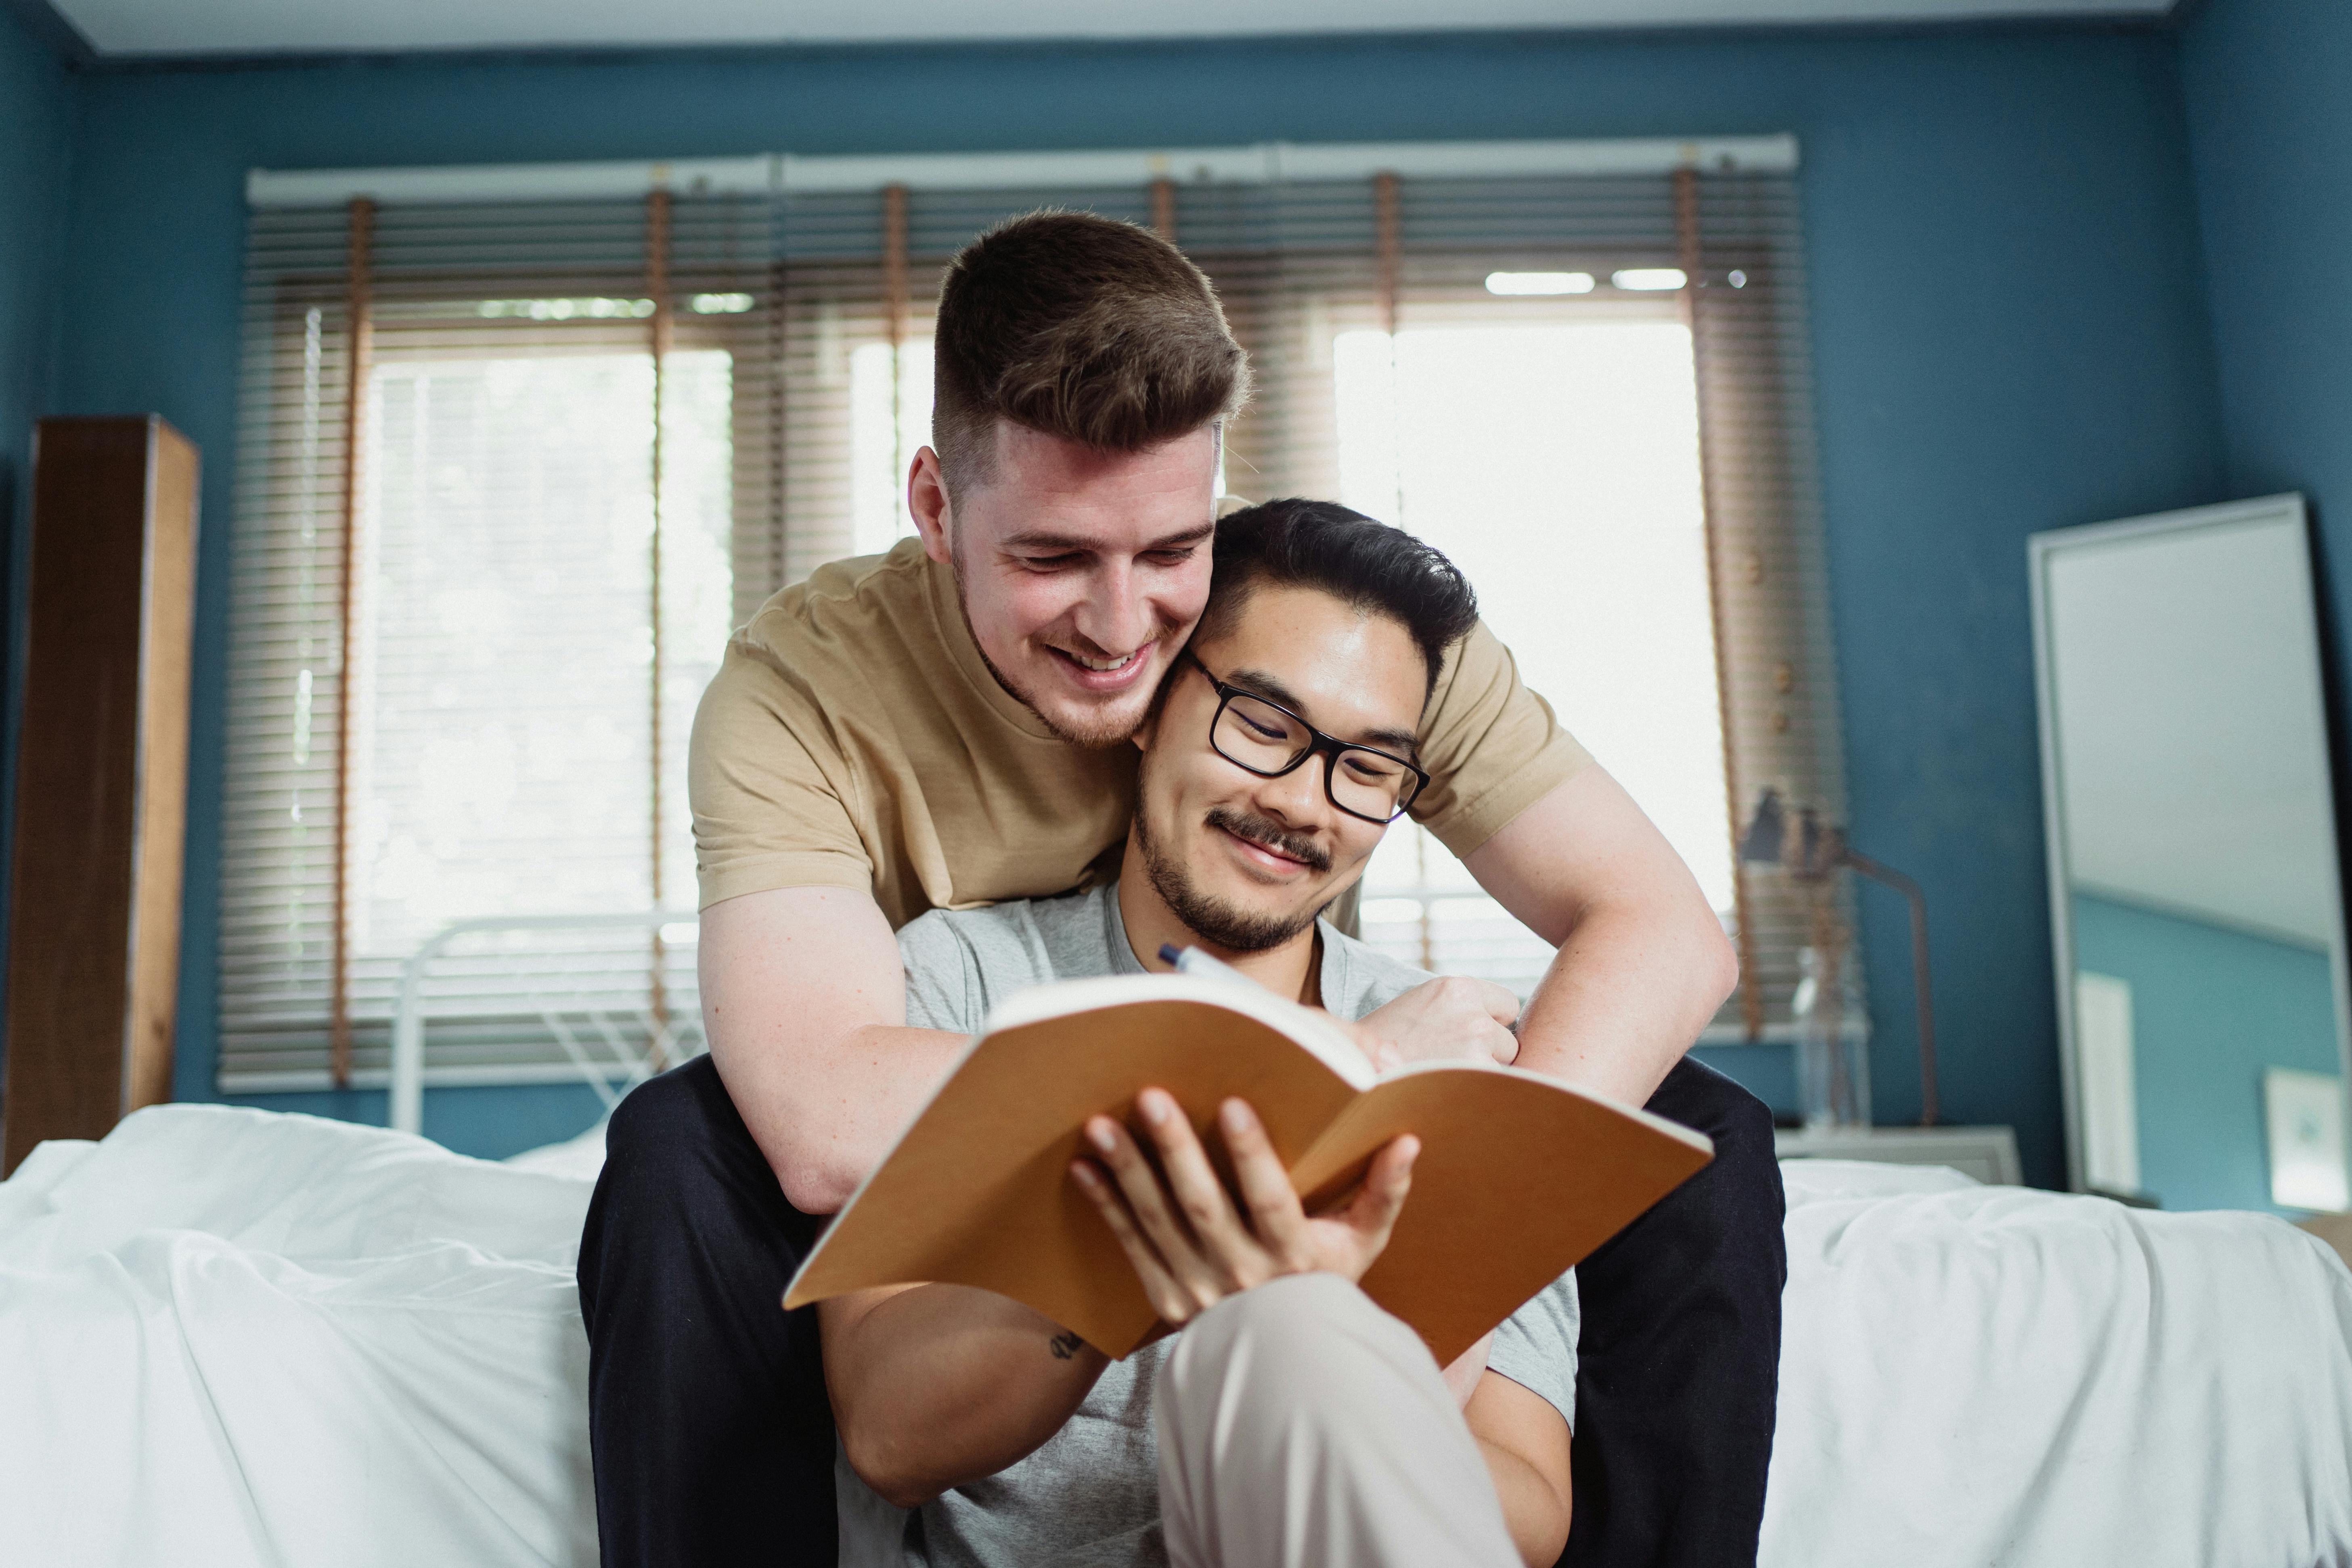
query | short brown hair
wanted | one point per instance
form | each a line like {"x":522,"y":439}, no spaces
{"x":1080,"y":327}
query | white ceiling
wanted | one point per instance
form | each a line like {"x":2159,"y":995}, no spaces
{"x":273,"y":27}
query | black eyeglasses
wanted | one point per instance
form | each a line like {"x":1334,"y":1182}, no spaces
{"x":1268,"y":740}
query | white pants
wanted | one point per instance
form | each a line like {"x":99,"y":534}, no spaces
{"x":1301,"y":1426}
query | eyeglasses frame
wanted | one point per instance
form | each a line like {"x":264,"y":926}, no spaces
{"x":1317,"y":745}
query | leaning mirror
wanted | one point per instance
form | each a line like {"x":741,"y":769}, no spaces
{"x":2195,"y":898}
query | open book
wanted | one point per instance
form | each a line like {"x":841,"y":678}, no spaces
{"x":1519,"y":1178}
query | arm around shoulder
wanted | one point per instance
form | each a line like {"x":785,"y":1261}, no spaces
{"x":805,"y":1006}
{"x":1642,"y":964}
{"x":804,"y":997}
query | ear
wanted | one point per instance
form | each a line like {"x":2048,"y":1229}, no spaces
{"x":926,"y":501}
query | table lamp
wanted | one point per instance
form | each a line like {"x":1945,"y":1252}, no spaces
{"x":1817,"y":854}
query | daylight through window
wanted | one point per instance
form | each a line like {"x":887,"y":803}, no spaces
{"x":1558,"y":465}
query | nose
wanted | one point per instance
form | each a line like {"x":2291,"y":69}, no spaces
{"x":1296,"y":798}
{"x":1115,"y":615}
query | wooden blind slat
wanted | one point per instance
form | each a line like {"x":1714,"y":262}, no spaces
{"x":790,"y":289}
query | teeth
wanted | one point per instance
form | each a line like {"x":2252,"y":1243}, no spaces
{"x":1104,"y":665}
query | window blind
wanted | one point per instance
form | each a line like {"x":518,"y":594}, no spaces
{"x":1297,"y":267}
{"x":784,"y":305}
{"x":505,"y":677}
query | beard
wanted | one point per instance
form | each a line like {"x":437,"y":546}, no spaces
{"x":1099,"y":735}
{"x":1217,"y":920}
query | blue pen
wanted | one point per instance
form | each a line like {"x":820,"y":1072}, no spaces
{"x":1193,"y":961}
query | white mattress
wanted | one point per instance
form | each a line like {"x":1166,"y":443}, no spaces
{"x":228,"y":1337}
{"x":1974,"y":1374}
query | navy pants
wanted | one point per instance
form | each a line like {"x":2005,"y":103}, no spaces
{"x":713,"y":1437}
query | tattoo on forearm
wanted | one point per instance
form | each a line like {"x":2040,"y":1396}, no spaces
{"x":1064,"y":1346}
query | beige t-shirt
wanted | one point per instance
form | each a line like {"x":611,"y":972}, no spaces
{"x":854,"y":738}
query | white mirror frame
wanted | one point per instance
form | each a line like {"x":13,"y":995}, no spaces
{"x":2040,"y":548}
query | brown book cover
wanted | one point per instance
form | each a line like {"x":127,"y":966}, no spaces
{"x":1519,"y":1176}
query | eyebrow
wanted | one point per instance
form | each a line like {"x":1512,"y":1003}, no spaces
{"x":1258,"y":683}
{"x":1079,"y":544}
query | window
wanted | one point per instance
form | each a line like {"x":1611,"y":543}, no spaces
{"x":518,"y":701}
{"x":1420,"y":340}
{"x":507,"y":642}
{"x":1557,"y":462}
{"x":890,"y":421}
{"x":1422,"y":320}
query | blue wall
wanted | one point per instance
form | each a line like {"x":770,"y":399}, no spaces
{"x":2268,"y":85}
{"x":2009,"y":324}
{"x":36,"y":120}
{"x":2211,"y":1007}
{"x":36,"y":126}
{"x":2264,"y":84}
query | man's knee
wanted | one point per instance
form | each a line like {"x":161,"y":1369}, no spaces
{"x":1739,"y":1124}
{"x":676,"y":1144}
{"x":682,"y":1180}
{"x":1717,"y":1234}
{"x":1706,"y":1100}
{"x":664,"y":1119}
{"x":1290,"y":1338}
{"x":1293,"y":1313}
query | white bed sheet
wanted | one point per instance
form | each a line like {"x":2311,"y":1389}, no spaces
{"x":228,"y":1337}
{"x":1975,"y":1374}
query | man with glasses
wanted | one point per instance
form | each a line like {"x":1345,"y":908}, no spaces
{"x":1292,"y":1422}
{"x":947,"y":726}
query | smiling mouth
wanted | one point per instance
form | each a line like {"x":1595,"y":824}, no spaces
{"x":1268,"y":850}
{"x":1102,"y":665}
{"x":1300,"y":855}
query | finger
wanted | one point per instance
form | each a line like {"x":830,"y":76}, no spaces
{"x":1275,"y":1212}
{"x":1372,"y":1213}
{"x":1375,"y":1046}
{"x":1207,"y":1208}
{"x":1155,"y":1214}
{"x":1160,"y":1286}
{"x":1501,"y":1002}
{"x":1501,"y":1045}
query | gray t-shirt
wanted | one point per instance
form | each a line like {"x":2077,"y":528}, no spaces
{"x":1089,"y":1497}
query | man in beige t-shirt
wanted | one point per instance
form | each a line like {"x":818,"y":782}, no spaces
{"x":856,"y":738}
{"x":945,"y":726}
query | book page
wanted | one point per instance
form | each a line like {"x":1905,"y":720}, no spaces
{"x":1520,"y":1177}
{"x":978,"y":1191}
{"x":1311,"y":1028}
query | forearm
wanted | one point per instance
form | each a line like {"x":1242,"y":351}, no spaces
{"x":804,"y":1004}
{"x":825,"y":1112}
{"x":943,"y":1384}
{"x":1643,"y":962}
{"x":1624,"y":998}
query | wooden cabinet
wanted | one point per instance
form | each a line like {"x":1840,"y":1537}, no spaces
{"x":102,"y":780}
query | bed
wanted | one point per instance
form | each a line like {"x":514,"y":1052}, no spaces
{"x":235,"y":1337}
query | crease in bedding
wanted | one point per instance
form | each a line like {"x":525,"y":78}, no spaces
{"x":232,"y":1337}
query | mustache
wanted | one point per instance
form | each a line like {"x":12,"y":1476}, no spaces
{"x":1270,"y":835}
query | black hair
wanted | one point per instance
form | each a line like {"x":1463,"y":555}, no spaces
{"x":1369,"y":565}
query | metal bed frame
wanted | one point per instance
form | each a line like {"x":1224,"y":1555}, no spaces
{"x":593,"y":1037}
